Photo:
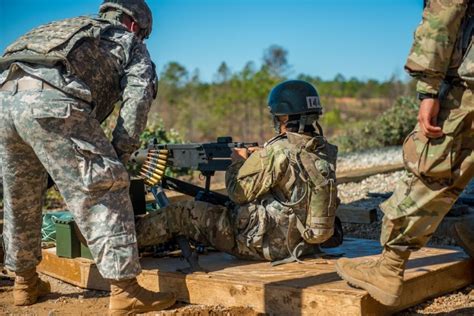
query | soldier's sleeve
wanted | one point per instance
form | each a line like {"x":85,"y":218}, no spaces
{"x":434,"y":43}
{"x":139,"y":89}
{"x":250,"y":179}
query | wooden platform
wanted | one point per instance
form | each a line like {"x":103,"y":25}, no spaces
{"x":309,"y":288}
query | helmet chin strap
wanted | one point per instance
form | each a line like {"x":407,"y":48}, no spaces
{"x":276,"y":124}
{"x":308,"y":120}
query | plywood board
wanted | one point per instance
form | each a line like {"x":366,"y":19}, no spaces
{"x":307,"y":288}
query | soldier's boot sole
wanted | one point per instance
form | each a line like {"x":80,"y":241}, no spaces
{"x":378,"y":294}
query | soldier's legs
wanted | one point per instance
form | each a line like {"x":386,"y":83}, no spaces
{"x":203,"y":222}
{"x":24,"y":182}
{"x":439,"y":169}
{"x":75,"y":152}
{"x":414,"y":228}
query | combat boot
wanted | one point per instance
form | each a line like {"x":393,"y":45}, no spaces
{"x":127,"y":297}
{"x":463,"y":232}
{"x":28,"y":288}
{"x":382,"y":277}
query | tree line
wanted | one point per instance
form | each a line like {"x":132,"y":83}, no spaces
{"x":235,"y":103}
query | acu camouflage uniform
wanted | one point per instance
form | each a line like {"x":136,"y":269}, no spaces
{"x":273,"y":205}
{"x":58,"y":82}
{"x":442,"y":59}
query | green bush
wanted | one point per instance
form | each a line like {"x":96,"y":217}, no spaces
{"x":332,"y":118}
{"x":389,"y":129}
{"x":156,"y":129}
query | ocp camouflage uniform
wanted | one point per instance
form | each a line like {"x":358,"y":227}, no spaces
{"x":58,"y":82}
{"x":272,"y":197}
{"x":442,"y":59}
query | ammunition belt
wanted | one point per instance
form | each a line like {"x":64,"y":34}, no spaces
{"x":154,"y":166}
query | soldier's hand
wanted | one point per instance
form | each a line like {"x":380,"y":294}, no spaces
{"x":239,"y":154}
{"x":251,"y":150}
{"x":428,"y":118}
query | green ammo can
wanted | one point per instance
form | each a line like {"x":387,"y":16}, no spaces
{"x":68,"y":244}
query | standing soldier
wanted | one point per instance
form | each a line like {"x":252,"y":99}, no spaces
{"x":437,"y":154}
{"x":285,"y":193}
{"x":58,"y":82}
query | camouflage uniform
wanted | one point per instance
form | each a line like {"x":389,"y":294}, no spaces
{"x":58,"y":82}
{"x":438,"y":169}
{"x":262,"y":225}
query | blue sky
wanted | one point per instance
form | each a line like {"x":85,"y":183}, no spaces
{"x":361,"y":38}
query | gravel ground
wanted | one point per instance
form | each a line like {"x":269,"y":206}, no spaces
{"x":369,"y":158}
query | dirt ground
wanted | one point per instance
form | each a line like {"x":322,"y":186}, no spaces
{"x":68,"y":300}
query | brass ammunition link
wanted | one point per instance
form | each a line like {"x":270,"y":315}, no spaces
{"x":154,"y":167}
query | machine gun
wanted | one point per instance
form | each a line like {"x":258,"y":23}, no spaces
{"x":204,"y":157}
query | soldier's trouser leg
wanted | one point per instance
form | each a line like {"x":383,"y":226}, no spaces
{"x":200,"y":221}
{"x":439,"y":169}
{"x":24,"y":180}
{"x":74,"y":150}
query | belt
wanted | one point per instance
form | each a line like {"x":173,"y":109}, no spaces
{"x":25,"y":84}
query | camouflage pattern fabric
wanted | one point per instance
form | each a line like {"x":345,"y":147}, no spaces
{"x":100,"y":62}
{"x":259,"y":227}
{"x":438,"y":48}
{"x":200,"y":221}
{"x":48,"y":131}
{"x":2,"y":253}
{"x":438,"y":169}
{"x":57,"y":130}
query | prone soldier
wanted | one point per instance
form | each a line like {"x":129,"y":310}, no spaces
{"x":57,"y":83}
{"x":285,"y":193}
{"x":438,"y":153}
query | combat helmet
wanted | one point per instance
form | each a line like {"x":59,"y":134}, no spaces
{"x":136,"y":9}
{"x":300,"y":101}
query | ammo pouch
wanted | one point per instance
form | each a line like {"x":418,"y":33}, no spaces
{"x":433,"y":160}
{"x":316,"y":161}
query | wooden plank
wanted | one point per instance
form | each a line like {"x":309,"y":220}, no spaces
{"x":354,"y":214}
{"x":360,"y":174}
{"x":80,"y":272}
{"x":310,"y":288}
